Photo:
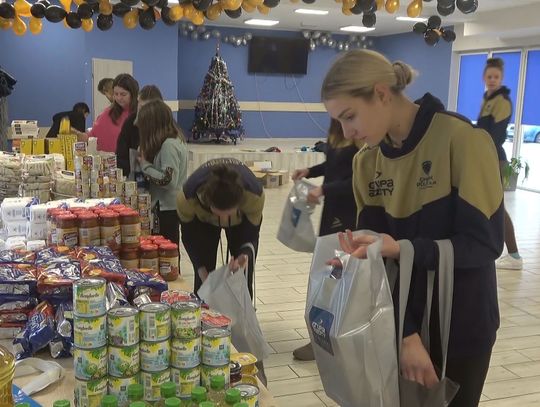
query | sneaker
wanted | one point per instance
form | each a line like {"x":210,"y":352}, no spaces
{"x":509,"y":263}
{"x":304,"y":353}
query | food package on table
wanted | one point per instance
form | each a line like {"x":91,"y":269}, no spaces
{"x":15,"y":243}
{"x":17,"y":279}
{"x":36,"y":231}
{"x":38,"y":165}
{"x":17,"y":302}
{"x":172,"y":296}
{"x":15,"y":228}
{"x":64,"y":183}
{"x":145,"y":281}
{"x":35,"y":245}
{"x":115,"y":296}
{"x":37,"y":213}
{"x":55,"y":280}
{"x":61,"y":346}
{"x":101,"y":262}
{"x":17,"y":256}
{"x":9,"y":331}
{"x":37,"y":333}
{"x":15,"y":209}
{"x":52,"y":254}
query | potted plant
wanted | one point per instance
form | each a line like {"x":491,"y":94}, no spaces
{"x":510,"y":173}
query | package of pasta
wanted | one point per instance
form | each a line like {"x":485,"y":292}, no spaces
{"x":147,"y":282}
{"x":61,"y":346}
{"x":52,"y":254}
{"x":37,"y":333}
{"x":97,"y":262}
{"x":92,"y":253}
{"x":14,"y":316}
{"x":17,"y":256}
{"x":17,"y":279}
{"x":58,"y":277}
{"x":17,"y":302}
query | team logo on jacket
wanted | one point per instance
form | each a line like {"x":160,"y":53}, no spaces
{"x":380,"y":186}
{"x":426,"y":181}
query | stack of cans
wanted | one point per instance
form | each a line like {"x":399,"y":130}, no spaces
{"x":90,"y":340}
{"x":155,"y":348}
{"x":216,"y":355}
{"x":123,"y":350}
{"x":144,"y":206}
{"x":129,"y":195}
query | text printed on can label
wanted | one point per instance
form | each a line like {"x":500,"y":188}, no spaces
{"x":185,"y":353}
{"x":155,"y":356}
{"x":90,"y":363}
{"x":155,"y":320}
{"x":152,"y":382}
{"x":185,"y":380}
{"x":89,"y":297}
{"x":123,"y":326}
{"x":123,"y":361}
{"x":89,"y":393}
{"x":216,"y":347}
{"x":90,"y":332}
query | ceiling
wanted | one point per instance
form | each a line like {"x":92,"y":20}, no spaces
{"x":386,"y":23}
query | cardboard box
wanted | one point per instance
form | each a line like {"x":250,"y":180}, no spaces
{"x":38,"y":146}
{"x":54,"y":146}
{"x":272,"y":179}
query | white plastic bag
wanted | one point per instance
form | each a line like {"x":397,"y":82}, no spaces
{"x":228,"y":293}
{"x":296,"y":229}
{"x":350,"y":319}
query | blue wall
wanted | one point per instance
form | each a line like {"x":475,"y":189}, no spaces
{"x":432,"y":63}
{"x":54,"y":72}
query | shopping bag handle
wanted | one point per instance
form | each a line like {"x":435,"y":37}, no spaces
{"x":51,"y":372}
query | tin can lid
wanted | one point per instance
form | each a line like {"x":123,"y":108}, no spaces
{"x":154,"y":307}
{"x":216,"y":333}
{"x":123,"y":311}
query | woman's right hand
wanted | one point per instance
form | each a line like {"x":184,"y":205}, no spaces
{"x":416,"y":365}
{"x":299,"y":174}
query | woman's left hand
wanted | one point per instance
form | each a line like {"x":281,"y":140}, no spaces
{"x":238,"y":263}
{"x":357,"y":245}
{"x":314,"y":195}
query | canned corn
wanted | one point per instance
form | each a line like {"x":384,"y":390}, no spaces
{"x":152,"y":382}
{"x":155,"y":320}
{"x":185,"y":353}
{"x":124,"y":361}
{"x":90,"y":332}
{"x":207,"y":372}
{"x":216,"y":347}
{"x":89,"y":393}
{"x":249,"y":394}
{"x":155,"y":356}
{"x":123,"y":326}
{"x":89,"y":297}
{"x":118,"y":386}
{"x":90,"y":364}
{"x":185,"y":380}
{"x":186,"y":319}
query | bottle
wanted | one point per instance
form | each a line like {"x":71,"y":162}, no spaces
{"x":217,"y":390}
{"x":198,"y":395}
{"x":61,"y":403}
{"x":167,"y":390}
{"x":135,"y":392}
{"x":109,"y":400}
{"x":232,"y":396}
{"x":207,"y":404}
{"x":242,"y":404}
{"x":138,"y":404}
{"x":173,"y":402}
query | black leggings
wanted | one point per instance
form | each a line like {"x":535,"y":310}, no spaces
{"x":169,"y":225}
{"x":202,"y":246}
{"x":470,"y":373}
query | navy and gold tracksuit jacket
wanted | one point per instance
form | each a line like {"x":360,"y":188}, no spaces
{"x":441,"y":184}
{"x":495,"y":115}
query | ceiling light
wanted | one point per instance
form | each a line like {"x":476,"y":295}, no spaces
{"x":413,"y":19}
{"x":311,"y":11}
{"x":357,"y":29}
{"x":257,"y":21}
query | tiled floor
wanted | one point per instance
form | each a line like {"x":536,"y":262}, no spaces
{"x":514,"y":376}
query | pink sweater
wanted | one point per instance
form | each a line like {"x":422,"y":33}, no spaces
{"x":106,"y":131}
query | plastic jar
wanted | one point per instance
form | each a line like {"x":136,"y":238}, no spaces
{"x":169,"y":261}
{"x":66,"y":230}
{"x":7,"y":369}
{"x":130,"y":224}
{"x":109,"y":229}
{"x":149,"y":257}
{"x":236,"y":373}
{"x":129,"y":258}
{"x":89,"y":234}
{"x":117,"y":207}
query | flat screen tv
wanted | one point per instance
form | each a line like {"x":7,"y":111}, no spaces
{"x":278,"y":55}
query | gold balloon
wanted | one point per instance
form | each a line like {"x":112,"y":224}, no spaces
{"x":198,"y":18}
{"x":176,"y":12}
{"x":19,"y":26}
{"x":380,"y":4}
{"x":214,"y":11}
{"x":248,"y":7}
{"x":254,"y":2}
{"x":349,"y":3}
{"x":231,"y":4}
{"x":78,"y":2}
{"x":263,"y":9}
{"x":105,"y":8}
{"x":295,"y":1}
{"x":392,"y":6}
{"x":131,"y":18}
{"x":189,"y":11}
{"x":415,"y":8}
{"x":87,"y":24}
{"x":5,"y":24}
{"x":346,"y":11}
{"x":66,"y":4}
{"x":22,"y":8}
{"x":36,"y":25}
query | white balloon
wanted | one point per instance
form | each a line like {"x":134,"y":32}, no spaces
{"x":306,"y":34}
{"x":312,"y":45}
{"x":248,"y":36}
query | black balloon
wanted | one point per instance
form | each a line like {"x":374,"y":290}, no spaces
{"x":446,"y":11}
{"x":162,"y":3}
{"x":92,"y":2}
{"x":446,"y":3}
{"x":271,"y":3}
{"x":309,"y":1}
{"x":73,"y":20}
{"x":357,"y":9}
{"x":234,"y":13}
{"x":120,"y":9}
{"x":434,"y":22}
{"x":55,"y":14}
{"x":7,"y":10}
{"x":95,"y":7}
{"x":104,"y":22}
{"x":85,"y":11}
{"x":431,"y":37}
{"x":150,"y":3}
{"x":46,"y":3}
{"x":202,"y":5}
{"x":129,"y":3}
{"x":369,"y":20}
{"x":449,"y":36}
{"x":165,"y":16}
{"x":38,"y":10}
{"x":420,"y":28}
{"x":467,"y":6}
{"x":147,"y":19}
{"x":366,"y":5}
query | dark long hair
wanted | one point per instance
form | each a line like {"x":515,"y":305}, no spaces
{"x":223,"y":189}
{"x":127,"y":82}
{"x":156,"y":124}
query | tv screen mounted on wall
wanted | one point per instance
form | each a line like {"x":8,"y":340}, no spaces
{"x":276,"y":55}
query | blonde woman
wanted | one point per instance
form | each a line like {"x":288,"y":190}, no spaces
{"x":426,"y":175}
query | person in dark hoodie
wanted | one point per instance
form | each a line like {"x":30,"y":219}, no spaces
{"x":339,"y":209}
{"x":129,"y":135}
{"x":425,"y":175}
{"x":495,"y":114}
{"x":77,"y":119}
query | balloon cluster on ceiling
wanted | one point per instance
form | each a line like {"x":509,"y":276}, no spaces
{"x":146,"y":13}
{"x":322,"y":39}
{"x":433,"y":32}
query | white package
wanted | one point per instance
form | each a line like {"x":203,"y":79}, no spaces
{"x":34,"y":245}
{"x":14,"y":209}
{"x":36,"y":231}
{"x":15,"y":228}
{"x":16,"y":242}
{"x":37,"y":213}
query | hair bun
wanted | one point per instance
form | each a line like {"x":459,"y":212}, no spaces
{"x":404,"y":74}
{"x":495,"y":63}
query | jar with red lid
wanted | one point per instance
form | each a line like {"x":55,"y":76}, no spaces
{"x":66,"y":230}
{"x":169,"y":261}
{"x":117,"y":207}
{"x":109,"y":229}
{"x":89,"y":233}
{"x":129,"y":258}
{"x":52,"y":213}
{"x":130,"y":225}
{"x":156,"y":237}
{"x":149,"y":257}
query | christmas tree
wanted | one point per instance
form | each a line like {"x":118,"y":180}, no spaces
{"x":217,"y":113}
